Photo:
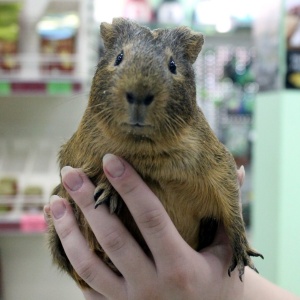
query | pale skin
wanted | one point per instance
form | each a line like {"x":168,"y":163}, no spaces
{"x":176,"y":270}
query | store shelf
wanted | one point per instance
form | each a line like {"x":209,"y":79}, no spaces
{"x":22,"y":215}
{"x":42,"y":98}
{"x":23,"y":223}
{"x":36,"y":69}
{"x":28,"y":174}
{"x":19,"y":234}
{"x":51,"y":87}
{"x":33,"y":73}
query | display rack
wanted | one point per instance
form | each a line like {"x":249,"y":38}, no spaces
{"x":28,"y":77}
{"x":29,"y":157}
{"x":29,"y":167}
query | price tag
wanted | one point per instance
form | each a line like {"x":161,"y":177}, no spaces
{"x":5,"y":88}
{"x":57,"y":88}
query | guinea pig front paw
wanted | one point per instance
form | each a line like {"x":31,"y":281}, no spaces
{"x":106,"y":194}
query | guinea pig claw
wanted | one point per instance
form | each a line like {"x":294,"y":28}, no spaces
{"x":241,"y":259}
{"x":107,"y":196}
{"x":104,"y":201}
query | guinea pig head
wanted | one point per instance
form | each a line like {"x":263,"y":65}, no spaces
{"x":144,"y":85}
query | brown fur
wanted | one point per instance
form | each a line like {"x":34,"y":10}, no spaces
{"x":173,"y":149}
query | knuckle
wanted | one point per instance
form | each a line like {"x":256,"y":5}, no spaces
{"x":153,"y":220}
{"x":64,"y":231}
{"x":84,"y":198}
{"x":113,"y":241}
{"x":86,"y":271}
{"x":181,"y":277}
{"x":128,"y":188}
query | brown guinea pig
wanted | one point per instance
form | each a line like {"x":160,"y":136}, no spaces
{"x":142,"y":107}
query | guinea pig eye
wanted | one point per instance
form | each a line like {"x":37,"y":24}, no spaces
{"x":172,"y":66}
{"x":119,"y":58}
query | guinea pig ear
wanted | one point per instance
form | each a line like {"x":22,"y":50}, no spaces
{"x":110,"y":32}
{"x":191,"y":41}
{"x":107,"y":34}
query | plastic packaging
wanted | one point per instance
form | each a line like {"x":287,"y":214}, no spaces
{"x":57,"y":41}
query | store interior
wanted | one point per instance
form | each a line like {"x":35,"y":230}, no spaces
{"x":248,"y":86}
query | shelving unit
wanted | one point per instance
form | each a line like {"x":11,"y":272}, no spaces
{"x":39,"y":111}
{"x":43,"y":87}
{"x":28,"y":78}
{"x":29,"y":164}
{"x":28,"y":154}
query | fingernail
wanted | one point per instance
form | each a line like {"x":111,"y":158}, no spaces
{"x":71,"y":178}
{"x":113,"y":165}
{"x":47,"y":213}
{"x":47,"y":209}
{"x":57,"y":206}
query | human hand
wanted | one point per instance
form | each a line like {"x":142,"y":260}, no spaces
{"x":176,"y":270}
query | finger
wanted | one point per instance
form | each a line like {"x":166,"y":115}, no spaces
{"x":241,"y":175}
{"x":152,"y":219}
{"x":85,"y":262}
{"x":90,"y":294}
{"x":47,"y":213}
{"x":113,"y":237}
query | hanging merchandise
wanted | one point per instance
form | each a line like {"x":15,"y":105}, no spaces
{"x":170,"y":12}
{"x":266,"y":31}
{"x":138,"y":10}
{"x":242,"y":101}
{"x":236,"y":140}
{"x":293,"y":45}
{"x":57,"y":41}
{"x":9,"y":36}
{"x":240,"y":73}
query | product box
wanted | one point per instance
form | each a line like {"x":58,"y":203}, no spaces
{"x":57,"y":34}
{"x":9,"y":36}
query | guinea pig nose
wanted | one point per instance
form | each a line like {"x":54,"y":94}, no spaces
{"x":133,"y":99}
{"x":148,"y":99}
{"x":130,"y":98}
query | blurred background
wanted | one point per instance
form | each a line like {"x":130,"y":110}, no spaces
{"x":248,"y":86}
